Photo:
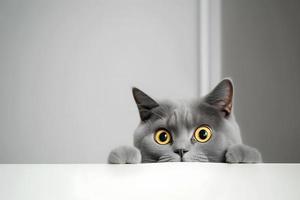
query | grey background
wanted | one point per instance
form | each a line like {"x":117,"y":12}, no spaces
{"x":66,"y":69}
{"x":261,"y":52}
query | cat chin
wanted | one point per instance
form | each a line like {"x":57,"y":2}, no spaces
{"x":187,"y":158}
{"x":168,"y":158}
{"x":178,"y":159}
{"x":194,"y":159}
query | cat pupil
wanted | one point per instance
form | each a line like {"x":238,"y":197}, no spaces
{"x":163,"y":137}
{"x":203,"y":134}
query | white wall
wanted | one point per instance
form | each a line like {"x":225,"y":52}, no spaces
{"x":67,"y":67}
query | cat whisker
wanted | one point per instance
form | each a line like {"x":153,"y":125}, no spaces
{"x":147,"y":160}
{"x":166,"y":158}
{"x":214,"y":158}
{"x":200,"y":158}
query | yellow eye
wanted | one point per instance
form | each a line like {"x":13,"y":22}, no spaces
{"x":203,"y":133}
{"x":162,"y":136}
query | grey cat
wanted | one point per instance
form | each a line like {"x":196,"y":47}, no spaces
{"x":204,"y":130}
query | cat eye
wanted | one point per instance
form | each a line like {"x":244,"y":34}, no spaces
{"x":203,"y":133}
{"x":162,"y":137}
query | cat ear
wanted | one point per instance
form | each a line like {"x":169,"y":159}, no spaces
{"x":221,"y":97}
{"x":144,"y":103}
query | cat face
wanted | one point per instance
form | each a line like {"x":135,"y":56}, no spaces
{"x":197,"y":131}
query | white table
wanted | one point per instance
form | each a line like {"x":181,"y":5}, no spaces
{"x":149,"y":181}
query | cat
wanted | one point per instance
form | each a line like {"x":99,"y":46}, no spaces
{"x":203,"y":130}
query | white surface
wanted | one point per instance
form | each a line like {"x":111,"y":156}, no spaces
{"x":67,"y":68}
{"x":150,"y":181}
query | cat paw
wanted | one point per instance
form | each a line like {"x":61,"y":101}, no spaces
{"x":125,"y":155}
{"x":241,"y":153}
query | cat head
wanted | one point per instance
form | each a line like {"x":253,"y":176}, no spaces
{"x":200,"y":130}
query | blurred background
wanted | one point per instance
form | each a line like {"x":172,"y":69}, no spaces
{"x":67,"y":68}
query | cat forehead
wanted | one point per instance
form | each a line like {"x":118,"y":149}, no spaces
{"x":188,"y":114}
{"x":181,"y":114}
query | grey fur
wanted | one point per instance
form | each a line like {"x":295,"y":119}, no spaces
{"x":125,"y":155}
{"x":181,"y":119}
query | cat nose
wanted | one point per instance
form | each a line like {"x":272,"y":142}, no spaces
{"x":180,"y":151}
